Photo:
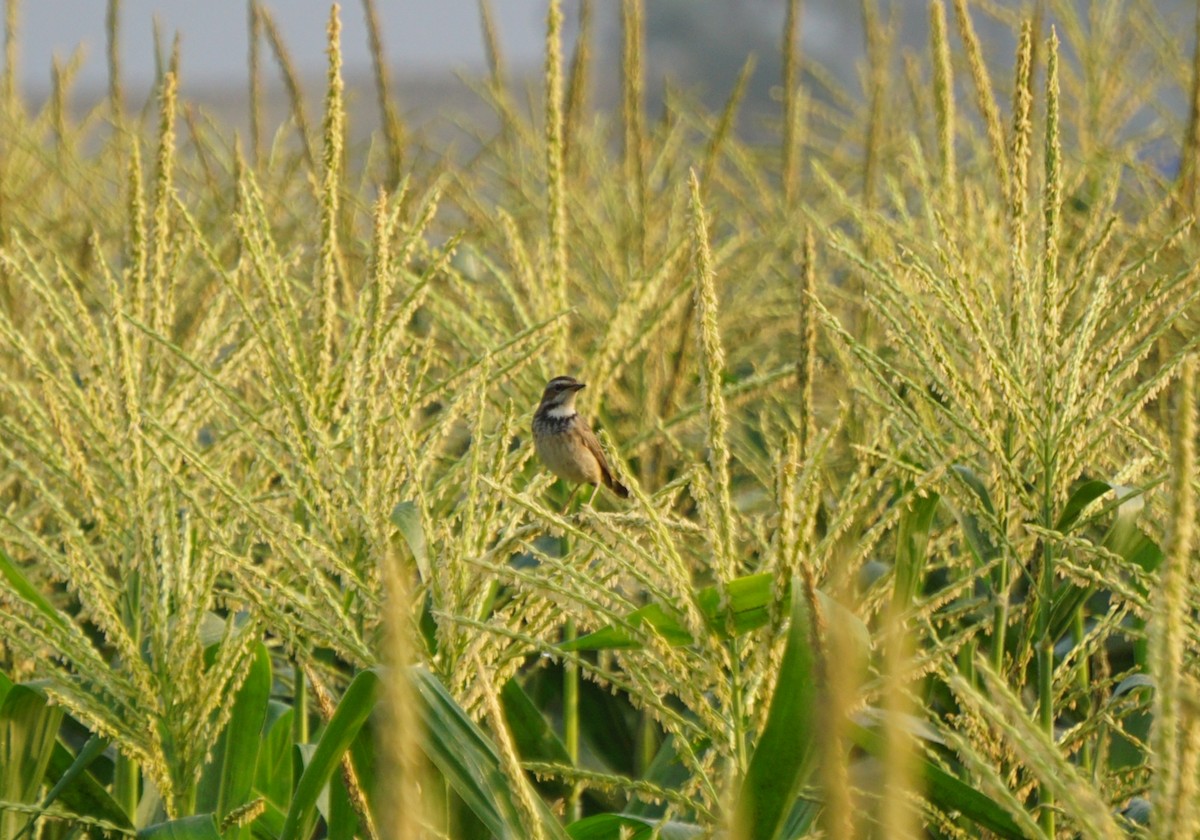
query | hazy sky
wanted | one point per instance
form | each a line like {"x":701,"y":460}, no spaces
{"x":422,"y":35}
{"x":696,"y":41}
{"x":438,"y":35}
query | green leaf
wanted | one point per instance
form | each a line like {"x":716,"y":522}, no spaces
{"x":977,"y":486}
{"x":407,"y":518}
{"x":470,"y":762}
{"x":1124,"y":538}
{"x":612,"y":730}
{"x":781,"y":759}
{"x":946,"y":791}
{"x":1084,"y":495}
{"x":1133,"y":682}
{"x":610,"y":826}
{"x":912,"y":537}
{"x":26,"y":590}
{"x":269,"y":824}
{"x":228,"y":779}
{"x":28,"y":729}
{"x":532,"y":734}
{"x":273,"y":774}
{"x":667,"y":771}
{"x":199,"y":827}
{"x":616,"y":638}
{"x":352,"y":712}
{"x":80,"y":792}
{"x":978,"y":541}
{"x":749,"y":600}
{"x":341,"y":821}
{"x":362,"y":755}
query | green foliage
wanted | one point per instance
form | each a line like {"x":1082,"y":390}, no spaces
{"x":470,"y":763}
{"x":343,"y":726}
{"x":226,"y":784}
{"x":199,"y":827}
{"x":904,"y":397}
{"x":784,"y":752}
{"x":27,"y":732}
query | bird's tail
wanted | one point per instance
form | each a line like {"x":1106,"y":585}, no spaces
{"x":617,"y":487}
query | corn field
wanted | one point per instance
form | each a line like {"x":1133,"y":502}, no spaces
{"x":904,"y":391}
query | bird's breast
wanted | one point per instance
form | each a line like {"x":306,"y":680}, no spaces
{"x":561,"y":448}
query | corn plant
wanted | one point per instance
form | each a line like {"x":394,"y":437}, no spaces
{"x":902,"y":383}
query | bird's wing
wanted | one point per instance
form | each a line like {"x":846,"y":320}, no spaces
{"x":593,"y":445}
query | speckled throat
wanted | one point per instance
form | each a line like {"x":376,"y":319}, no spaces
{"x":545,"y":423}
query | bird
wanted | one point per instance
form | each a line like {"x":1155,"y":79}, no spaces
{"x":566,"y":444}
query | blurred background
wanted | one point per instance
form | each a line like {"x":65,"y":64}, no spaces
{"x":435,"y":48}
{"x":702,"y":44}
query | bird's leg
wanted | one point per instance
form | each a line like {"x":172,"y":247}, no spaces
{"x":570,"y":498}
{"x":595,"y":490}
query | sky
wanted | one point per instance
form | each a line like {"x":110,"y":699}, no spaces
{"x":419,"y":35}
{"x":701,"y":44}
{"x":697,"y":42}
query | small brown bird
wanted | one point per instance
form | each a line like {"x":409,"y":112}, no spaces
{"x":565,"y":443}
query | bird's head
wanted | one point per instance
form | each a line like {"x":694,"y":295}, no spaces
{"x":559,"y":397}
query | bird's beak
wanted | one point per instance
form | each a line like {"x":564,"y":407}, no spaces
{"x":578,"y":386}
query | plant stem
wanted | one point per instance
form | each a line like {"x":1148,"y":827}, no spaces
{"x":571,"y":707}
{"x":125,"y":785}
{"x":299,"y":704}
{"x":1000,"y":613}
{"x":739,"y":722}
{"x":127,"y":773}
{"x":1045,"y":649}
{"x":966,"y":662}
{"x":647,"y":744}
{"x":1000,"y":616}
{"x":1045,"y":660}
{"x":1087,"y":757}
{"x":571,"y":721}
